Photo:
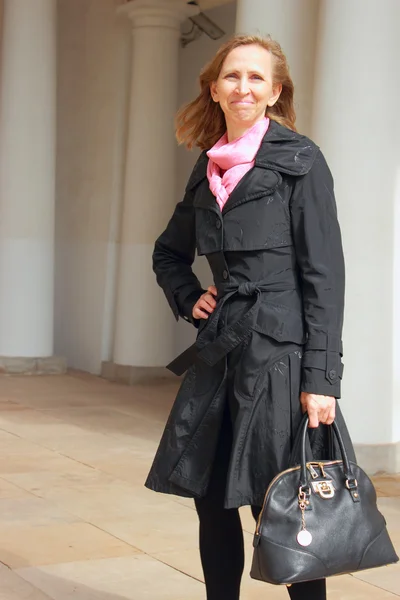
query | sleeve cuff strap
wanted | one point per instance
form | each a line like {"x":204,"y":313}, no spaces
{"x":325,"y":361}
{"x":324,"y":341}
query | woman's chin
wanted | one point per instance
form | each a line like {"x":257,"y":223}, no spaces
{"x":243,"y":115}
{"x":242,"y":119}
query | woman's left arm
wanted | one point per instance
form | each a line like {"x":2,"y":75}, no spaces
{"x":319,"y":253}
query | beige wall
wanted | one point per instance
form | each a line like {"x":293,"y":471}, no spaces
{"x":93,"y":51}
{"x":192,"y":59}
{"x":93,"y":82}
{"x":293,"y":23}
{"x":1,"y":18}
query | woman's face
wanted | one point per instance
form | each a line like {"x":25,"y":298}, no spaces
{"x":245,"y":87}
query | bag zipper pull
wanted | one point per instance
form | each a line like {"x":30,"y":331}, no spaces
{"x":321,"y":466}
{"x":313,"y":472}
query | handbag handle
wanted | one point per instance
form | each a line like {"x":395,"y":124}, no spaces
{"x":303,"y":462}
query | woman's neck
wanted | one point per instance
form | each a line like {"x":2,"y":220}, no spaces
{"x":236,"y":130}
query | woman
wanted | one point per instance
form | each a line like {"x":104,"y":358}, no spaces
{"x":260,"y":206}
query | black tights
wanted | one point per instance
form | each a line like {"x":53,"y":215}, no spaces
{"x":221,"y":538}
{"x":222,"y":555}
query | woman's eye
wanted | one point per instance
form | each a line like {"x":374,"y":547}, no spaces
{"x":231,"y":75}
{"x":256,"y":77}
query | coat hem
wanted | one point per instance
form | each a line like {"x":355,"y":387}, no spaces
{"x":229,"y":503}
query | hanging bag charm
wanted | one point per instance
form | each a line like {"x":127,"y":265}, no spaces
{"x":304,"y":537}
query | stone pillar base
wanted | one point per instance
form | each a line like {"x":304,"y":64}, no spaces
{"x":131,"y":375}
{"x":378,"y":458}
{"x":19,"y":365}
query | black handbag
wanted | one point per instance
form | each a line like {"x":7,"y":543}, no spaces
{"x":319,"y":518}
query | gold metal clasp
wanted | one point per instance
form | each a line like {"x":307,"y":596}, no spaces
{"x":354,"y":482}
{"x":321,"y":466}
{"x":324,"y":488}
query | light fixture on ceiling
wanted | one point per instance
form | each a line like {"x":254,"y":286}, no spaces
{"x":201,"y":24}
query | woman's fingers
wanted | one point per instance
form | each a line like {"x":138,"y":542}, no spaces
{"x":199,"y":314}
{"x":332,"y":414}
{"x":313,"y":417}
{"x":209,"y":300}
{"x":320,"y":409}
{"x":327,"y":413}
{"x":311,"y":408}
{"x":205,"y":304}
{"x":323,"y":410}
{"x":202,"y":308}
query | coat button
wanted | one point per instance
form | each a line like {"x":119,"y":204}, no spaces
{"x":218,"y":224}
{"x":332,"y":374}
{"x":225,"y":274}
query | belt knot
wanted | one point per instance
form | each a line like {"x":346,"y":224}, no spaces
{"x":247,"y":288}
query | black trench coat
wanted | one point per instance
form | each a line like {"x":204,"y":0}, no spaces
{"x":276,"y":257}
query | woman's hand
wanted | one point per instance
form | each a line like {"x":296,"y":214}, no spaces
{"x":205,"y":304}
{"x":320,"y":409}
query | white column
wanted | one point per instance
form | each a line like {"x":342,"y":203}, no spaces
{"x":144,"y":324}
{"x":293,"y":24}
{"x":27,"y":177}
{"x":356,"y":102}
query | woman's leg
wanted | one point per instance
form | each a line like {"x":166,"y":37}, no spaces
{"x":309,"y":590}
{"x":221,"y":536}
{"x":221,"y":550}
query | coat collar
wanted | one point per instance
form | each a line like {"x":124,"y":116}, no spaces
{"x":286,"y":151}
{"x":281,"y":150}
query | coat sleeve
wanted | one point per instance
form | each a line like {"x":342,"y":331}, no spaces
{"x":320,"y":261}
{"x":173,"y":257}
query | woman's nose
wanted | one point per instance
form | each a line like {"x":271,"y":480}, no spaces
{"x":243,"y":86}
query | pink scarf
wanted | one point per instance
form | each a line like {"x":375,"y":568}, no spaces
{"x":235,"y":158}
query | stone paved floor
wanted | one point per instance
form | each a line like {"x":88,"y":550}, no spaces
{"x":75,"y":519}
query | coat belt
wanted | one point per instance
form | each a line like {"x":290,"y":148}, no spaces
{"x":212,"y":345}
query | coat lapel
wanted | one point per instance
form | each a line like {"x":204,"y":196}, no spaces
{"x":256,"y":183}
{"x":286,"y":151}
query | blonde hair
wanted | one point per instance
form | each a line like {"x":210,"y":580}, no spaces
{"x":201,"y":122}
